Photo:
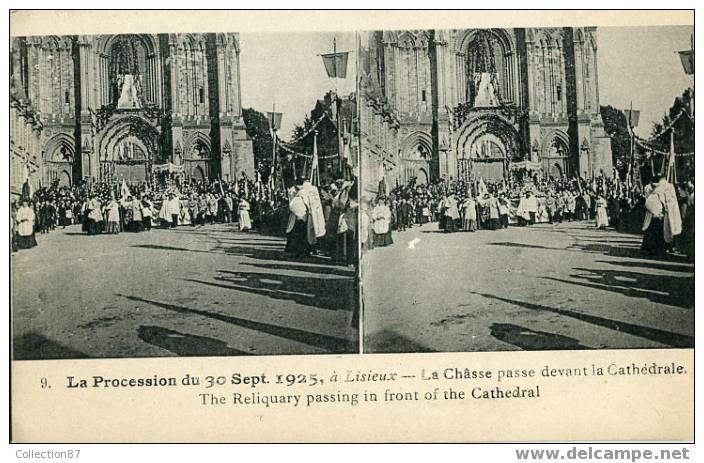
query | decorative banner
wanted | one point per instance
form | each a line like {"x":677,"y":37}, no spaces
{"x":336,"y":64}
{"x":527,"y":165}
{"x":687,"y":58}
{"x":274,"y":120}
{"x":168,"y":167}
{"x":632,"y":116}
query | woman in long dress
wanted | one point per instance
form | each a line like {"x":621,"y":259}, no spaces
{"x":25,"y":226}
{"x":602,"y":218}
{"x":245,"y":222}
{"x":469,"y":214}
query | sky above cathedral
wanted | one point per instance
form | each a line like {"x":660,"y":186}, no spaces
{"x":285,"y":69}
{"x":637,"y":64}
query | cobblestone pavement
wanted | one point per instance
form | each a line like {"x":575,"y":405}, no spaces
{"x":566,"y":286}
{"x":192,"y":291}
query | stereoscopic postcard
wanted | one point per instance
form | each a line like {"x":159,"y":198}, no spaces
{"x":317,"y":226}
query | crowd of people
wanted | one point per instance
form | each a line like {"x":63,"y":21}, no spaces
{"x":471,"y":206}
{"x":324,"y":220}
{"x":112,"y":208}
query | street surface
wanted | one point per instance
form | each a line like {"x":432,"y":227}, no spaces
{"x":192,"y":291}
{"x":544,"y":287}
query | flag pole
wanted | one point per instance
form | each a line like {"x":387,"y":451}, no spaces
{"x":337,"y":107}
{"x":631,"y":177}
{"x":273,"y":148}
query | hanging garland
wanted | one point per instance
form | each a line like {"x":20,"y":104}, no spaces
{"x":296,"y":140}
{"x":650,"y":149}
{"x":664,"y":130}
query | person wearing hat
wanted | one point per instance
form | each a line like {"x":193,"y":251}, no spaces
{"x":26,"y":219}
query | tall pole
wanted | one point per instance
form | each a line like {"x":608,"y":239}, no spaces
{"x":632,"y":150}
{"x":334,"y":57}
{"x":337,"y":108}
{"x":273,"y":149}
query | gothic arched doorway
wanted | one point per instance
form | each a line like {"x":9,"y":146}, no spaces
{"x":127,"y":150}
{"x":486,"y":143}
{"x":416,"y":154}
{"x":58,"y":159}
{"x":555,"y":154}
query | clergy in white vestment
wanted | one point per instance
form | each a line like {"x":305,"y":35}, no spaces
{"x":25,"y":218}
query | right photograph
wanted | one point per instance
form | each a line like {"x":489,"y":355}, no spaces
{"x":527,"y":189}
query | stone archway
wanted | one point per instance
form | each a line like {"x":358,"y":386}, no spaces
{"x":556,"y":152}
{"x":58,"y":159}
{"x":198,"y":156}
{"x":485,"y":144}
{"x":127,"y":149}
{"x":416,"y":154}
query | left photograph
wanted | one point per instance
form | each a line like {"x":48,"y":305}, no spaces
{"x":184,"y":195}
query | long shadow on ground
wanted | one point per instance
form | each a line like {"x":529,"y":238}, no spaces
{"x":34,"y":346}
{"x":322,"y":269}
{"x":321,"y":341}
{"x":653,"y":334}
{"x":185,"y":344}
{"x":327,"y":293}
{"x":528,"y":339}
{"x":662,"y":289}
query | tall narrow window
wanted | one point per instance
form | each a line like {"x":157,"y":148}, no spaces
{"x":67,"y":98}
{"x":559,"y":92}
{"x":201,"y":96}
{"x":422,"y":95}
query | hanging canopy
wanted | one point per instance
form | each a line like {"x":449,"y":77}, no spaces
{"x":525,"y":165}
{"x":168,"y":167}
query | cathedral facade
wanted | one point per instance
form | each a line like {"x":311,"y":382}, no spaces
{"x":113,"y":107}
{"x":482,"y":103}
